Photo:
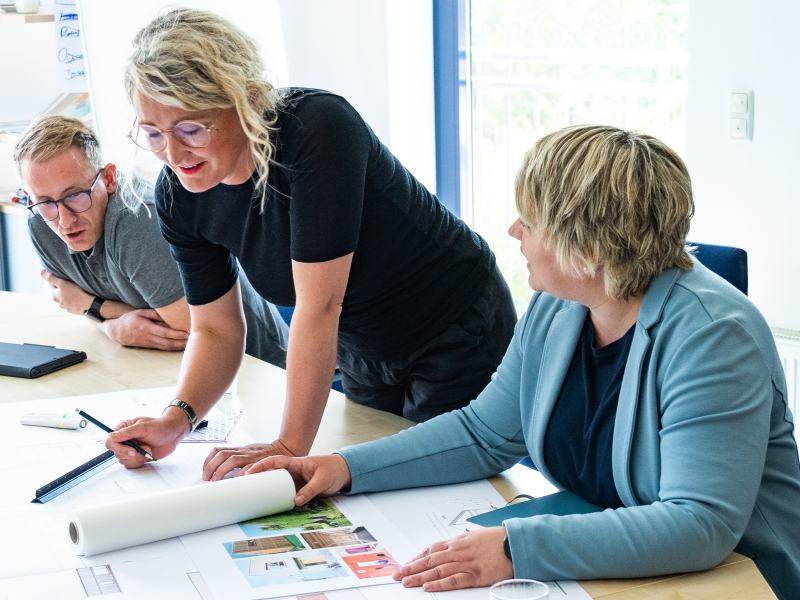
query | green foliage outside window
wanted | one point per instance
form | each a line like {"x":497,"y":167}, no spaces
{"x":539,"y":65}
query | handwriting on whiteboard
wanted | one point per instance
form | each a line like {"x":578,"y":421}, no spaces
{"x":69,"y":48}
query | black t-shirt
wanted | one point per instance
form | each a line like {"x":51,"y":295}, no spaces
{"x":333,"y":189}
{"x":577,"y":445}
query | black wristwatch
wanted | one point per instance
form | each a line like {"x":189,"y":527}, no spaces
{"x":507,"y":549}
{"x":94,"y":310}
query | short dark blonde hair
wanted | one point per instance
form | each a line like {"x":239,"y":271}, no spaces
{"x":610,"y":198}
{"x":49,"y":136}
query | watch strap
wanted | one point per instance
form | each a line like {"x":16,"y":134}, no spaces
{"x":188,"y":410}
{"x":93,"y":312}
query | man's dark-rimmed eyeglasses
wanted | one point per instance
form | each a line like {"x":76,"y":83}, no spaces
{"x":77,"y":202}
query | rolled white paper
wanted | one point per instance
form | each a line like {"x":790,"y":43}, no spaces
{"x":67,"y":421}
{"x":144,"y":519}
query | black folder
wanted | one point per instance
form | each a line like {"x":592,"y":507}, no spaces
{"x":31,"y":360}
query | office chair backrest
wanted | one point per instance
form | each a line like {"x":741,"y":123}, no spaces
{"x":286,"y":313}
{"x":727,"y":262}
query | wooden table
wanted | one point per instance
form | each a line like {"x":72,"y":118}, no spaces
{"x":35,"y":319}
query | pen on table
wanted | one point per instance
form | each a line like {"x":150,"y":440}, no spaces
{"x":108,"y":429}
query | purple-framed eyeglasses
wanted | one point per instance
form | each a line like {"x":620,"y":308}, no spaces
{"x":188,"y":133}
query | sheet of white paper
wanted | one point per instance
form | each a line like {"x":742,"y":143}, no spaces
{"x":392,"y":591}
{"x":64,"y":585}
{"x":157,"y":579}
{"x":165,"y":578}
{"x":37,"y":455}
{"x":432,"y":514}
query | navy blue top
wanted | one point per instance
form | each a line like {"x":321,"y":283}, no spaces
{"x":333,"y":189}
{"x":577,"y":446}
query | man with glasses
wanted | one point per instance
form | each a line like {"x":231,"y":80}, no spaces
{"x":105,"y":257}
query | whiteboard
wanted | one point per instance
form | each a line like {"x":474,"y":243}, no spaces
{"x":69,"y":48}
{"x":108,"y":30}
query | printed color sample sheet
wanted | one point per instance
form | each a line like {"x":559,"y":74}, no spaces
{"x":337,"y":543}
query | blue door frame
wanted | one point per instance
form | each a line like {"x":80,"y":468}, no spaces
{"x":448,"y":16}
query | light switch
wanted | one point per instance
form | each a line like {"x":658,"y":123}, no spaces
{"x":739,"y":103}
{"x":739,"y":129}
{"x":740,"y":115}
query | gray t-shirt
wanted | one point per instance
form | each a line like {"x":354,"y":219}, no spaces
{"x":131,"y":263}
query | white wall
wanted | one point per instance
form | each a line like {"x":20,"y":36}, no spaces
{"x":29,"y":85}
{"x":378,"y":54}
{"x":108,"y":46}
{"x":747,"y":194}
{"x":412,"y":120}
{"x":28,"y":73}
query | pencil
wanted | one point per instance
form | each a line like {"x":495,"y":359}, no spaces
{"x":108,"y":429}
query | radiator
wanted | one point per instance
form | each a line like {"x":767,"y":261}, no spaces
{"x":788,"y":343}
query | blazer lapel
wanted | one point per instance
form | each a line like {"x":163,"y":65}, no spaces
{"x":622,"y":446}
{"x":560,"y":344}
{"x":626,"y":417}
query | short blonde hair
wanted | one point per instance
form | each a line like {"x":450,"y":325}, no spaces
{"x":610,"y":198}
{"x":196,"y":60}
{"x":49,"y":136}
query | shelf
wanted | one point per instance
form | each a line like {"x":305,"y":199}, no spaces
{"x":24,"y":19}
{"x":10,"y":138}
{"x":12,"y":209}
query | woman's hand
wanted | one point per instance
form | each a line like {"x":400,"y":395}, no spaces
{"x":222,"y":461}
{"x":473,"y":559}
{"x":313,"y":475}
{"x":159,"y":437}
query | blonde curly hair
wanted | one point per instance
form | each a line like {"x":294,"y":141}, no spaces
{"x":196,"y":60}
{"x":610,"y":198}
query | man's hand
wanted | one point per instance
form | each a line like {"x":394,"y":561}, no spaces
{"x":159,"y":437}
{"x":66,"y":294}
{"x":473,"y":559}
{"x":221,"y":461}
{"x":313,"y":475}
{"x":144,"y":328}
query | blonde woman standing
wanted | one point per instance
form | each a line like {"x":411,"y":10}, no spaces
{"x":321,"y":216}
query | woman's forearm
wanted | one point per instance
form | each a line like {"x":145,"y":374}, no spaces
{"x":310,"y":365}
{"x":209,"y":365}
{"x":214,"y":352}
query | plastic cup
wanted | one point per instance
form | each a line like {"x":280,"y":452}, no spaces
{"x":519,"y":589}
{"x":233,"y":388}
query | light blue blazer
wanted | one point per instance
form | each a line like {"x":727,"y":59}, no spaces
{"x":703,"y":454}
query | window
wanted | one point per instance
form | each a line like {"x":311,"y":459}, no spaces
{"x":533,"y":66}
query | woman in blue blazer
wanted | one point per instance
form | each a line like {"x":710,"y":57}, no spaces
{"x":637,"y":379}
